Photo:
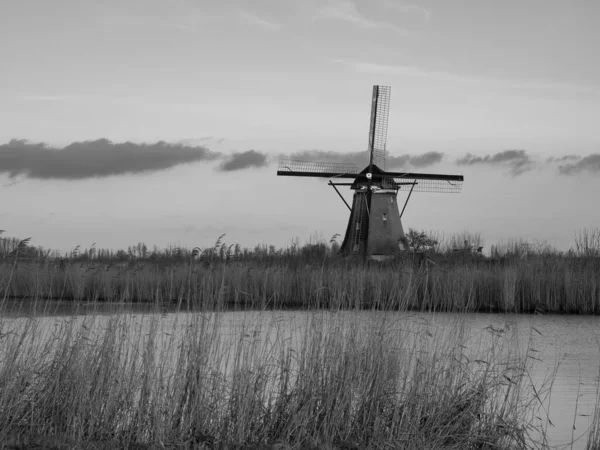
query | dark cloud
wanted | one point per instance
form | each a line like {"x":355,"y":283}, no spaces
{"x":424,"y":160}
{"x":518,"y":161}
{"x":563,"y":158}
{"x":361,"y":159}
{"x":100,"y":158}
{"x":244,"y":160}
{"x":590,"y":163}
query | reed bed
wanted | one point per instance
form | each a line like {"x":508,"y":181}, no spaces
{"x":323,"y":381}
{"x":536,"y":284}
{"x":517,"y":279}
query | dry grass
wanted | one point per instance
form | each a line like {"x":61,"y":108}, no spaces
{"x":594,"y":432}
{"x":521,"y":279}
{"x":326,"y":380}
{"x":557,"y":284}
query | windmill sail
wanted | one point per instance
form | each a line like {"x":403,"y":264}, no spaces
{"x":380,"y":110}
{"x":299,"y":168}
{"x":444,"y":184}
{"x":400,"y":181}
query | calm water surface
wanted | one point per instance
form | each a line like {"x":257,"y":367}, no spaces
{"x":568,"y":344}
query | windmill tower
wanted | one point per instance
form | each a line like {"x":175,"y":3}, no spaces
{"x":375,"y":226}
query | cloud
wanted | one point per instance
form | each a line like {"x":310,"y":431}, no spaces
{"x":405,"y":7}
{"x":99,"y":158}
{"x":253,"y":19}
{"x":345,"y":10}
{"x":518,"y":161}
{"x":244,"y":160}
{"x":444,"y":76}
{"x":361,"y":159}
{"x":563,"y":158}
{"x":590,"y":163}
{"x":424,"y":160}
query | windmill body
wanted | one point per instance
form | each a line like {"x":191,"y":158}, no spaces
{"x":378,"y":229}
{"x":374,"y":226}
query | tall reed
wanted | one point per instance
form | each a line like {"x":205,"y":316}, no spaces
{"x":593,"y":442}
{"x":548,"y":284}
{"x":323,"y":380}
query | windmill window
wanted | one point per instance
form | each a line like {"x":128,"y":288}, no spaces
{"x":384,"y":219}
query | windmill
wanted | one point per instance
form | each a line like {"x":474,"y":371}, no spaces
{"x":375,"y":226}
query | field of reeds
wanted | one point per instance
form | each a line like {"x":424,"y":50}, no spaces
{"x":184,"y":377}
{"x":312,"y":276}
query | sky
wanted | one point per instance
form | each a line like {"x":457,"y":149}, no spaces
{"x":126,"y":121}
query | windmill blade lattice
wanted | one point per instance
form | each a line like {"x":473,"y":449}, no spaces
{"x":381,"y":107}
{"x":422,"y":185}
{"x":297,"y":165}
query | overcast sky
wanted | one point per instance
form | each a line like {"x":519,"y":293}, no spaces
{"x":161,"y":121}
